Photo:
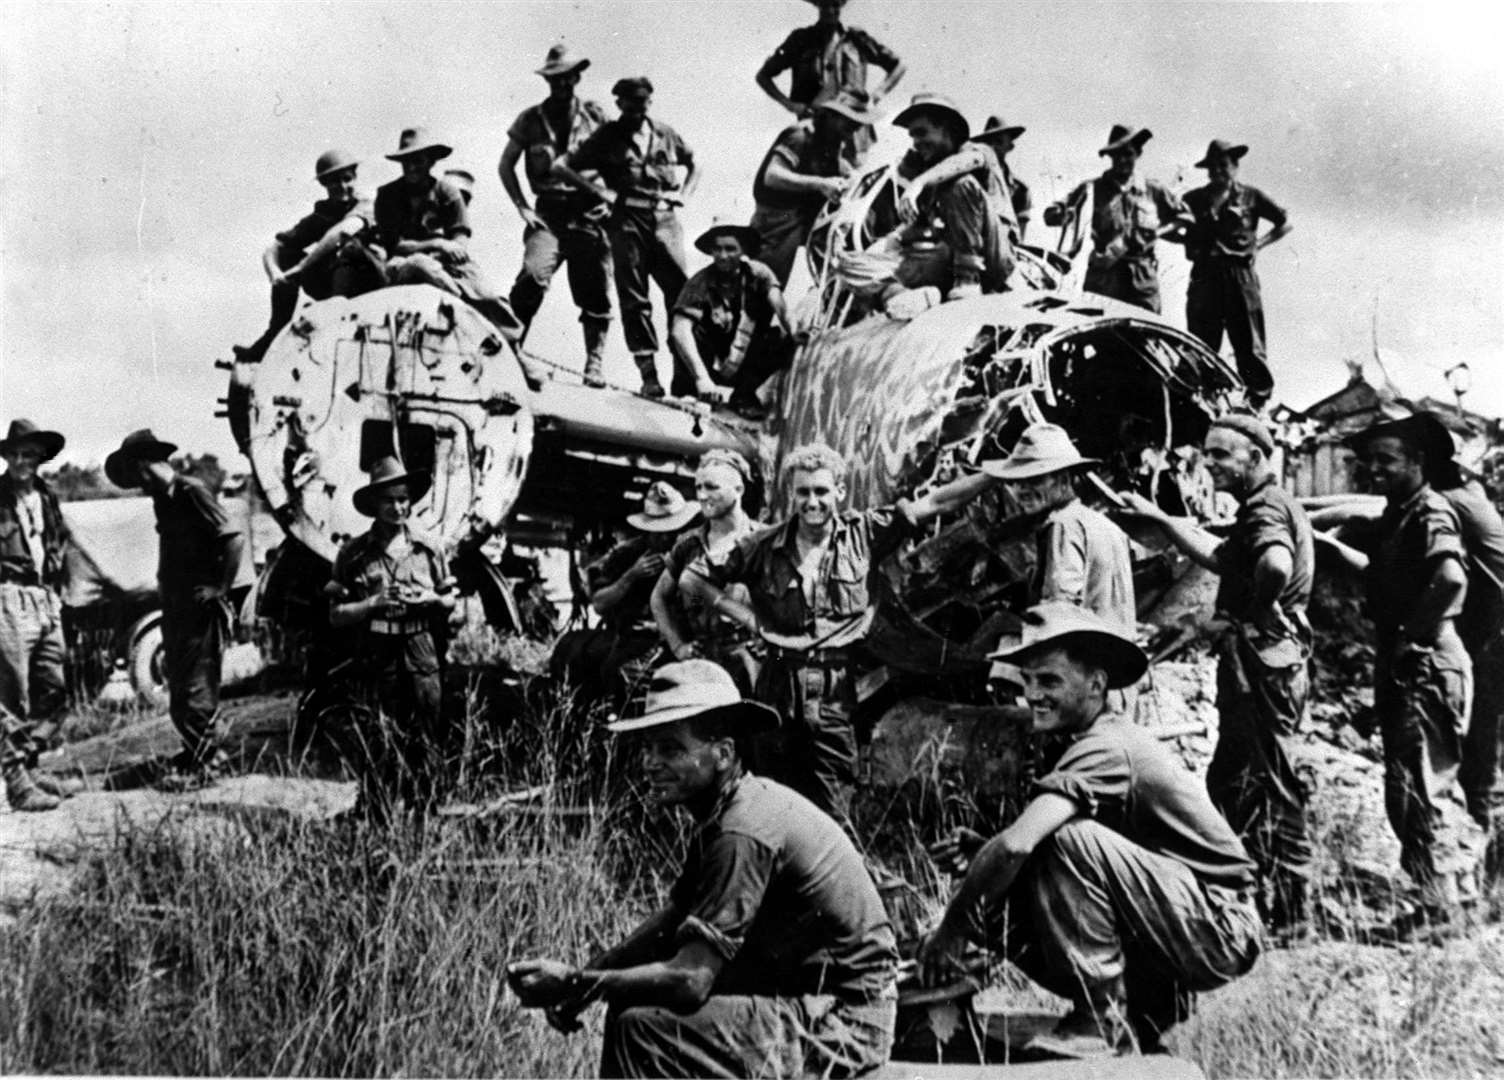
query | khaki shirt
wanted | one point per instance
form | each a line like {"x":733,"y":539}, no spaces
{"x":1084,"y":560}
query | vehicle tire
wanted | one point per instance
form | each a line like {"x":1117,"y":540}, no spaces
{"x":148,"y":667}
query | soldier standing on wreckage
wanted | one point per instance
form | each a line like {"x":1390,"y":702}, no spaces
{"x":199,"y":559}
{"x":392,"y":585}
{"x":566,"y":226}
{"x":638,"y":159}
{"x":1126,"y":891}
{"x":1416,"y":579}
{"x":808,"y":599}
{"x":1128,"y":215}
{"x":33,"y":688}
{"x":1265,"y":566}
{"x":1221,"y":242}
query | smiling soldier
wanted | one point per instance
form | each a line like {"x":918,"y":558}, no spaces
{"x":773,"y":955}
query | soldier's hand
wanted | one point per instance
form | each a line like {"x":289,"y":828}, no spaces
{"x":648,"y":565}
{"x":908,"y":205}
{"x":712,"y":392}
{"x":530,"y":218}
{"x":940,"y":957}
{"x":207,"y":594}
{"x":1136,"y":505}
{"x":563,"y":1018}
{"x":954,"y":853}
{"x":686,"y":650}
{"x":834,"y":187}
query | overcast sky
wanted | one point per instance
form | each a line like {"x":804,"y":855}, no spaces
{"x":150,"y":151}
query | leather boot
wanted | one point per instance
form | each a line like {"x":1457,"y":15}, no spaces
{"x":62,"y":787}
{"x":23,"y":793}
{"x":595,"y":347}
{"x":647,"y":367}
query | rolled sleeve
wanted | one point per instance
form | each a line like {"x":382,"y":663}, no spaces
{"x":1269,"y":527}
{"x":1092,"y":773}
{"x":1065,"y":564}
{"x":888,"y":527}
{"x":694,"y":298}
{"x":1442,"y":535}
{"x":722,"y":900}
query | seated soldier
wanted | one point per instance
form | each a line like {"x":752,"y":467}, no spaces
{"x":688,"y":626}
{"x":621,"y":590}
{"x":730,"y":324}
{"x":463,"y":181}
{"x":322,"y":254}
{"x":1127,"y":891}
{"x":423,"y":224}
{"x":773,"y":956}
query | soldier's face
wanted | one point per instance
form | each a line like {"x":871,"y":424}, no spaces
{"x":417,"y":169}
{"x":562,"y":86}
{"x":817,"y":496}
{"x":392,"y":505}
{"x":340,"y":186}
{"x":634,"y":107}
{"x":1221,"y":170}
{"x":931,"y":139}
{"x":718,"y":489}
{"x":1044,"y":492}
{"x":1063,"y":695}
{"x":678,"y":765}
{"x":1230,"y":458}
{"x":1394,"y":469}
{"x":1122,"y":161}
{"x":22,"y":461}
{"x":726,"y":251}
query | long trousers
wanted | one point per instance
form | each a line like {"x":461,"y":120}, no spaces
{"x":1482,"y":770}
{"x":646,"y":245}
{"x":1252,"y":779}
{"x":574,"y":242}
{"x":351,"y":271}
{"x":33,"y":687}
{"x":193,"y":642}
{"x":1116,"y":927}
{"x":975,"y":238}
{"x":1133,"y":280}
{"x":784,"y":231}
{"x":1422,"y":700}
{"x":1223,"y":296}
{"x":458,"y":278}
{"x":746,"y":1036}
{"x":400,"y":746}
{"x":814,"y":750}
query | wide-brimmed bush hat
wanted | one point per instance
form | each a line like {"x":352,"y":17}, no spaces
{"x":1122,"y":136}
{"x":689,"y":688}
{"x":1220,"y":148}
{"x":853,"y":104}
{"x":462,"y":180}
{"x":416,"y":140}
{"x":1425,"y":432}
{"x":749,"y":238}
{"x":137,"y":446}
{"x":1042,"y":449}
{"x":664,"y":509}
{"x":996,"y":127}
{"x":1056,"y":623}
{"x":937,"y":104}
{"x":333,"y":161}
{"x":22,"y":431}
{"x":560,"y":61}
{"x":386,"y":473}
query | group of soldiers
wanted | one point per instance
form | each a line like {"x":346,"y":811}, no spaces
{"x":605,"y":198}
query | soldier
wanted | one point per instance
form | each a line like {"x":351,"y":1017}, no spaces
{"x":1128,"y":216}
{"x":1000,"y":136}
{"x":33,"y":688}
{"x":392,"y":584}
{"x":773,"y":955}
{"x":566,"y":226}
{"x":687,"y":626}
{"x":1417,"y":586}
{"x":639,"y":158}
{"x":322,"y":254}
{"x":199,"y":558}
{"x":1126,"y":891}
{"x":463,"y":181}
{"x":1083,"y":558}
{"x":422,"y":223}
{"x":1221,"y":242}
{"x":805,"y":168}
{"x":807,"y":582}
{"x":730,"y":328}
{"x":825,"y":59}
{"x":1265,"y":565}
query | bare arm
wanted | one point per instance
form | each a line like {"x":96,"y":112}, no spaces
{"x":1279,"y":232}
{"x":682,"y":983}
{"x":666,"y":615}
{"x":780,"y":177}
{"x":691,"y":178}
{"x":1350,"y":556}
{"x":770,"y":88}
{"x":604,"y":599}
{"x":1446,"y":586}
{"x":1184,"y":533}
{"x":949,"y":497}
{"x":563,"y":171}
{"x":698,"y":585}
{"x":681,"y":333}
{"x":271,"y":262}
{"x":887,"y":85}
{"x":507,"y":170}
{"x":968,"y":158}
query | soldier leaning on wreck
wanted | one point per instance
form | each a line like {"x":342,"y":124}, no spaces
{"x":391,"y":584}
{"x":730,"y":329}
{"x":1221,"y":241}
{"x":323,"y":254}
{"x":199,"y":559}
{"x":808,"y":599}
{"x":33,"y":688}
{"x":688,"y":626}
{"x":999,"y":136}
{"x":773,"y":955}
{"x":1417,"y":586}
{"x":566,"y":226}
{"x":1125,"y":890}
{"x":1128,"y":215}
{"x":638,"y":158}
{"x":1265,"y":568}
{"x":804,"y":169}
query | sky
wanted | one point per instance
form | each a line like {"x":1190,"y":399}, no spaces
{"x":151,"y":150}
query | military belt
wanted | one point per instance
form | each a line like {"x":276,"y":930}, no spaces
{"x":829,"y":659}
{"x":648,"y":202}
{"x":399,"y":627}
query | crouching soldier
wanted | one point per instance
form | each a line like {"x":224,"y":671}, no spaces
{"x":730,"y":329}
{"x":391,"y":584}
{"x":1126,"y":891}
{"x":773,"y":956}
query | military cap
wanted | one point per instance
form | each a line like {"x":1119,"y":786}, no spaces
{"x":1250,"y":427}
{"x":636,"y":86}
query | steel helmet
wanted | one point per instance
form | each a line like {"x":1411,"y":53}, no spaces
{"x":332,"y":161}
